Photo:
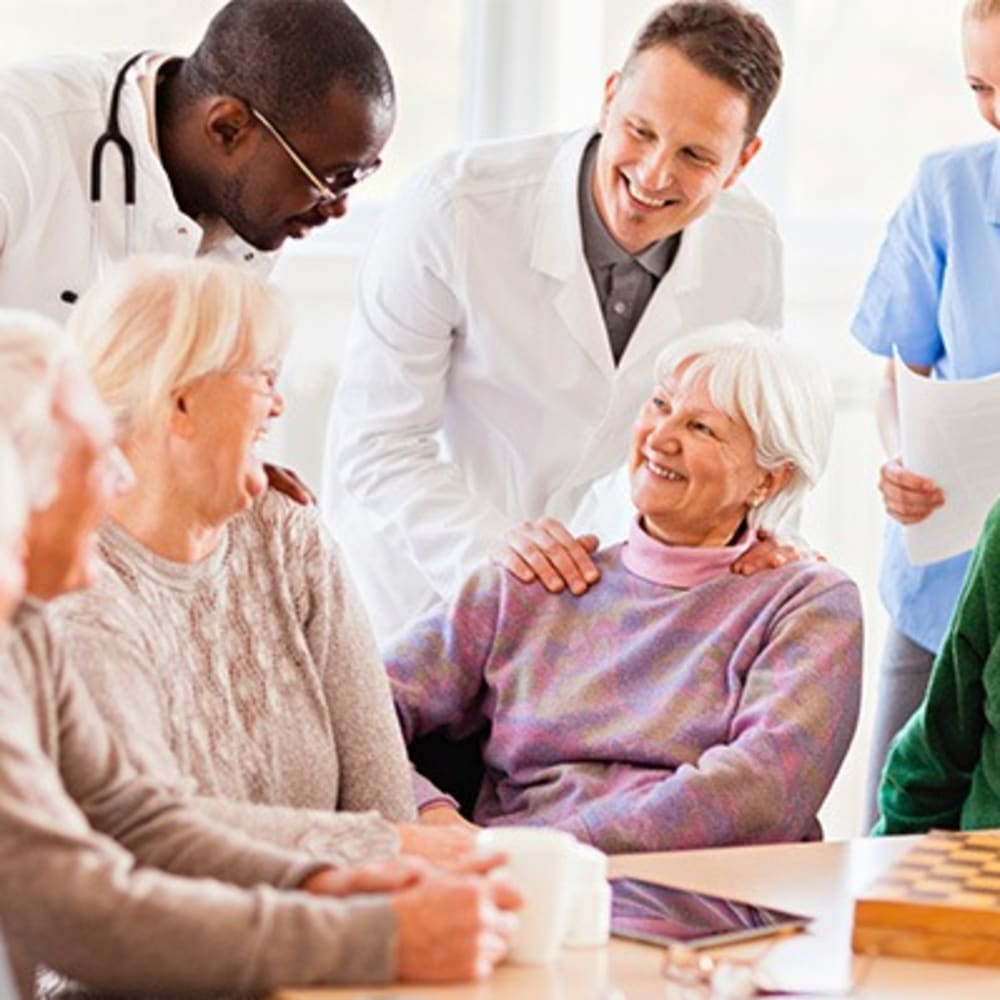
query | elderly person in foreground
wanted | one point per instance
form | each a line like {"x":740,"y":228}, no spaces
{"x":223,"y":642}
{"x":943,"y":769}
{"x":676,"y":704}
{"x":105,"y":875}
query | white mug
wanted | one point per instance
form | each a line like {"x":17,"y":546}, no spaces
{"x":590,"y":916}
{"x":542,"y":863}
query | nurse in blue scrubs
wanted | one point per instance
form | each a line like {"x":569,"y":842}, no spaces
{"x":935,"y":293}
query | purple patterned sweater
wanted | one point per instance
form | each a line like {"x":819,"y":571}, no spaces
{"x":674,"y":705}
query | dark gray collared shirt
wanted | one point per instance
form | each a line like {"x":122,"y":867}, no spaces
{"x":624,"y":283}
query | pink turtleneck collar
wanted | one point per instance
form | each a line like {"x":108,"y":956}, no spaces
{"x":679,"y":565}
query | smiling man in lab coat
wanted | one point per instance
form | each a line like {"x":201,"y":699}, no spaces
{"x":252,"y":139}
{"x":513,"y":300}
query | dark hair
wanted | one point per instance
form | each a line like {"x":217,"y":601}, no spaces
{"x":284,"y":56}
{"x":724,"y":40}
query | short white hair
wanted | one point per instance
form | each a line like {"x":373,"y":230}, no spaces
{"x":33,"y":353}
{"x":155,"y":323}
{"x":781,"y":394}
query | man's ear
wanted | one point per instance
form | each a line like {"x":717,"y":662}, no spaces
{"x":610,"y":89}
{"x":747,"y":153}
{"x":228,"y":123}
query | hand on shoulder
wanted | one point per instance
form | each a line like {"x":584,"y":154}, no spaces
{"x":545,"y":550}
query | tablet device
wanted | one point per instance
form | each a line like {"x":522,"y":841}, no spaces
{"x":659,"y":914}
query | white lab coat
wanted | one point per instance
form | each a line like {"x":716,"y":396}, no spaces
{"x":478,"y":387}
{"x":51,"y":113}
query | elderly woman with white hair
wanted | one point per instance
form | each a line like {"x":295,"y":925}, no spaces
{"x":224,"y":643}
{"x":105,"y":875}
{"x":675,"y":704}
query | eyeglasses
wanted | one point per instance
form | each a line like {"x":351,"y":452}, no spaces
{"x":332,"y":187}
{"x":694,"y":975}
{"x":698,"y":976}
{"x":266,"y":374}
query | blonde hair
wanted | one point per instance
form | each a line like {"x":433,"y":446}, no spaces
{"x":155,"y":324}
{"x":33,"y":352}
{"x":780,"y":394}
{"x":980,"y":10}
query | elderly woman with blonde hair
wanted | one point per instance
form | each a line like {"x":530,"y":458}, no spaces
{"x":224,"y":642}
{"x":675,"y":704}
{"x":105,"y":875}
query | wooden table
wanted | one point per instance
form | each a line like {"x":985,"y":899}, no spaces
{"x":816,"y":879}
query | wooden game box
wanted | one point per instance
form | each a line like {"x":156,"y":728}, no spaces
{"x":940,"y":901}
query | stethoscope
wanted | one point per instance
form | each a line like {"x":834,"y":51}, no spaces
{"x":111,"y":136}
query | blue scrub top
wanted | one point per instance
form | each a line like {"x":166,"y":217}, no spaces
{"x":935,"y":293}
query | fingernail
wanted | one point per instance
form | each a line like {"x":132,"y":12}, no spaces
{"x":591,"y":575}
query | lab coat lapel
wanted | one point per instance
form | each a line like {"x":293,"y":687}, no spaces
{"x":663,"y":319}
{"x":557,"y":251}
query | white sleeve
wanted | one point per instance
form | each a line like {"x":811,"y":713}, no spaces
{"x":19,"y":130}
{"x":390,"y":401}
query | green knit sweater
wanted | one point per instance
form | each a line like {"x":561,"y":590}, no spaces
{"x":944,"y":768}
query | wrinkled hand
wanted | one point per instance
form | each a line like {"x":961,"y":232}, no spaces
{"x":908,"y":498}
{"x":450,"y":841}
{"x":769,"y":553}
{"x":286,"y":481}
{"x":454,"y":927}
{"x":392,"y":875}
{"x":545,"y":550}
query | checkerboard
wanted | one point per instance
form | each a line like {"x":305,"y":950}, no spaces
{"x":940,"y":901}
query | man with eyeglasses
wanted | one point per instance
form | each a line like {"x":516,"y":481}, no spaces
{"x":254,"y":138}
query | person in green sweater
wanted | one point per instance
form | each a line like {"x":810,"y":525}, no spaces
{"x":944,"y":767}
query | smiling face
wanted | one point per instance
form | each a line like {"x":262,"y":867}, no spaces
{"x":981,"y":49}
{"x":672,"y":139}
{"x":266,"y":198}
{"x":218,"y":421}
{"x":693,"y":469}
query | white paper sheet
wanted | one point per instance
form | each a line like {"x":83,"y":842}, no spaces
{"x":950,"y":432}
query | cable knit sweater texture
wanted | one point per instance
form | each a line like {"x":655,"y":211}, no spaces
{"x":251,"y":679}
{"x":91,"y":851}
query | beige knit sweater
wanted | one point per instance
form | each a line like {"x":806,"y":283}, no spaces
{"x":251,"y":679}
{"x":91,"y":853}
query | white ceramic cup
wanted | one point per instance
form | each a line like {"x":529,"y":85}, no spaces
{"x":590,"y":916}
{"x":542,"y":864}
